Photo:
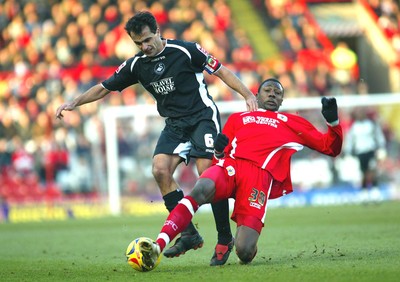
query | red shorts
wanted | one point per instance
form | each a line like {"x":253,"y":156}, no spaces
{"x":248,"y":184}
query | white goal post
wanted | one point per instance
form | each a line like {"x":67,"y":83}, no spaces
{"x":110,"y":115}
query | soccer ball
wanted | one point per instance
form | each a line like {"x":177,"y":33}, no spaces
{"x":134,"y":256}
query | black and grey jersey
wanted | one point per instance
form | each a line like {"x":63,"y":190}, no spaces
{"x":174,"y":77}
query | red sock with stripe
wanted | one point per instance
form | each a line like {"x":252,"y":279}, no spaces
{"x":177,"y":221}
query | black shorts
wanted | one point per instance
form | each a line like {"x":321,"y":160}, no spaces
{"x":190,"y":136}
{"x":367,"y":161}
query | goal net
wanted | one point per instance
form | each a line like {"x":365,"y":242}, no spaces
{"x":131,"y":133}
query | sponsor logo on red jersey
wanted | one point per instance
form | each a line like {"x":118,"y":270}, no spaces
{"x":260,"y":120}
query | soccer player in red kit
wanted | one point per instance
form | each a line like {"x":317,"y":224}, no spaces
{"x":253,"y":155}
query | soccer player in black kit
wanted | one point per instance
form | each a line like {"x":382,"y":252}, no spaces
{"x":172,"y":72}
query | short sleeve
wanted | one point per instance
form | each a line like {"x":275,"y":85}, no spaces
{"x":123,"y":77}
{"x":202,"y":59}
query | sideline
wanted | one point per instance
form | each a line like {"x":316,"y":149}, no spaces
{"x":88,"y":209}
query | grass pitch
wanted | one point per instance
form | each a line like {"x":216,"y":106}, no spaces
{"x":334,"y":243}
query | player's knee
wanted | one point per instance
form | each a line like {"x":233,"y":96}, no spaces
{"x":203,"y":191}
{"x":160,"y":172}
{"x":245,"y":252}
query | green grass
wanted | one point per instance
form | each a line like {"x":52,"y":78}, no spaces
{"x":335,"y":243}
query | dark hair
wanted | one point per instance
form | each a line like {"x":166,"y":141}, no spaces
{"x":139,"y":21}
{"x":270,"y":79}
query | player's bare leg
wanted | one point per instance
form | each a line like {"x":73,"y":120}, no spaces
{"x":164,"y":167}
{"x":246,"y":243}
{"x":220,"y":210}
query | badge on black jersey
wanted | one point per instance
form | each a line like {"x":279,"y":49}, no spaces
{"x":159,"y":68}
{"x":212,"y":64}
{"x":121,"y":66}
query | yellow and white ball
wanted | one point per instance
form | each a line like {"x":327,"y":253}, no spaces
{"x":134,"y":256}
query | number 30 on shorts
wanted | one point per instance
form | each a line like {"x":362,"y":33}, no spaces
{"x":257,"y":196}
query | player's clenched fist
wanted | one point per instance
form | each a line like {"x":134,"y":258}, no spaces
{"x":329,"y":109}
{"x":220,"y":142}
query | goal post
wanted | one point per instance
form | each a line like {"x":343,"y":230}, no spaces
{"x":138,"y":116}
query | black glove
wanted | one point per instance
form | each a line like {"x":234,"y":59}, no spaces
{"x":329,"y":109}
{"x":220,"y":142}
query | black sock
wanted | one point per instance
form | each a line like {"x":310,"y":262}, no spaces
{"x":171,"y":201}
{"x":221,"y":216}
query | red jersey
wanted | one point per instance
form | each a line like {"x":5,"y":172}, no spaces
{"x":269,"y":139}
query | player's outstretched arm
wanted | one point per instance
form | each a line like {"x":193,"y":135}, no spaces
{"x":236,"y":84}
{"x":93,"y":94}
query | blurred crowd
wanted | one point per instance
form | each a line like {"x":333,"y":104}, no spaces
{"x":388,"y":18}
{"x":52,"y":51}
{"x":309,"y":56}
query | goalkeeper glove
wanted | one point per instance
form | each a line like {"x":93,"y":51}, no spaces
{"x":220,"y":142}
{"x":329,"y":109}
